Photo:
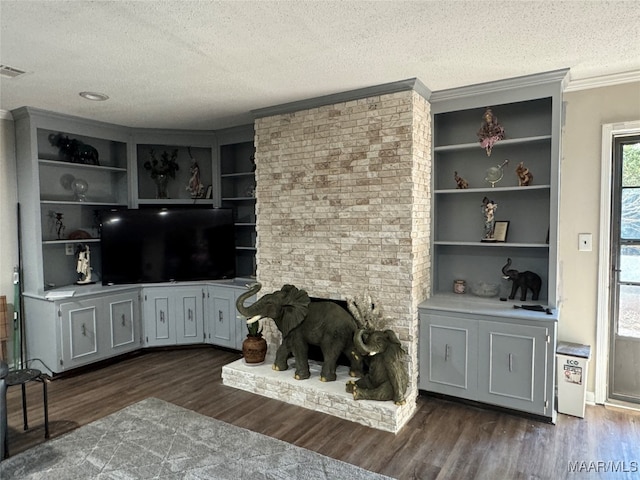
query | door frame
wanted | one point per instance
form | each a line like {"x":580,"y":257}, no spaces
{"x":603,"y":322}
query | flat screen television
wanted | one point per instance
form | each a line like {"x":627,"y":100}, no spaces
{"x":166,"y":245}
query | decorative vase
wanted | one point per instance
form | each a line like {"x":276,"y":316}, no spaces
{"x":161,"y":185}
{"x":254,"y":350}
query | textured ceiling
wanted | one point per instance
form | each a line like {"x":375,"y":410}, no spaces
{"x":207,"y":64}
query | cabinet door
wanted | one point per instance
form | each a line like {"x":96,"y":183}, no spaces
{"x":123,"y":322}
{"x":448,"y":353}
{"x":239,"y":320}
{"x":512,"y":366}
{"x":159,"y":324}
{"x":189,"y":315}
{"x":79,"y":332}
{"x":222,"y":317}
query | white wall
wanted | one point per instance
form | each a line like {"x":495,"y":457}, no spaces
{"x":586,"y":112}
{"x":8,"y":216}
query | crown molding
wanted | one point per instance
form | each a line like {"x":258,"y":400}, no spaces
{"x":5,"y":115}
{"x":602,"y":81}
{"x":376,"y":90}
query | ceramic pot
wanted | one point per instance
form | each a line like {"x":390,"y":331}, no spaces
{"x":254,"y":350}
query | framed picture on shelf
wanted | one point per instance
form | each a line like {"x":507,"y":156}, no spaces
{"x":500,"y":231}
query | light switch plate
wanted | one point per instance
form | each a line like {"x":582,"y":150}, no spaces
{"x":585,"y":242}
{"x":68,"y":248}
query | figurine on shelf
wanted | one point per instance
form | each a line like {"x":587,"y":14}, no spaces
{"x":75,"y":151}
{"x":488,"y":211}
{"x":83,"y":267}
{"x":525,"y":177}
{"x":460,"y":182}
{"x":490,"y":131}
{"x":195,"y":187}
{"x":59,"y":225}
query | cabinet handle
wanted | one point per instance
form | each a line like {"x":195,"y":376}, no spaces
{"x":191,"y":315}
{"x":220,"y":316}
{"x":123,"y":320}
{"x":446,"y":352}
{"x":511,"y":362}
{"x":162,"y":316}
{"x":84,"y":330}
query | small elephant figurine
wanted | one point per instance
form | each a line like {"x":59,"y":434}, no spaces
{"x":461,"y":183}
{"x":523,"y":281}
{"x":525,"y":177}
{"x":74,"y":150}
{"x":387,"y":377}
{"x":302,"y":323}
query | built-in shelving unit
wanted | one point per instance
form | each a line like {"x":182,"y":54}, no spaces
{"x":189,"y":147}
{"x":482,"y":348}
{"x":238,"y":186}
{"x":61,"y":197}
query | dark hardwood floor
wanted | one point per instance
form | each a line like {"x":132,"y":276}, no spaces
{"x":443,"y":440}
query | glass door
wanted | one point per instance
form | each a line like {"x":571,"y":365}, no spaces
{"x":624,"y":359}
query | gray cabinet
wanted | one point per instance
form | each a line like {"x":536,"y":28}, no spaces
{"x":77,"y":331}
{"x":222,"y":318}
{"x":226,"y":327}
{"x":173,"y":315}
{"x":496,"y":359}
{"x":449,"y":352}
{"x":514,"y":364}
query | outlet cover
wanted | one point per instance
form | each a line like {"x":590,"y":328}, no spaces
{"x":585,"y":242}
{"x":68,"y":248}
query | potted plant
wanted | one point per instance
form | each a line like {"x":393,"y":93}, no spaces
{"x":162,"y":169}
{"x":254,"y":347}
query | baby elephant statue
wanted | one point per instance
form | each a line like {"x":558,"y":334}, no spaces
{"x":387,"y":377}
{"x":302,"y":322}
{"x":523,"y":281}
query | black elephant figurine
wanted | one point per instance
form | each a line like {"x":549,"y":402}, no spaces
{"x":386,"y":377}
{"x":523,"y":281}
{"x":302,"y":323}
{"x":73,"y":150}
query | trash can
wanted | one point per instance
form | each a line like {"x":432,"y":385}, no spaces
{"x":573,"y":362}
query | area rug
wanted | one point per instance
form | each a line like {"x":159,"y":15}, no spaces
{"x":155,"y":439}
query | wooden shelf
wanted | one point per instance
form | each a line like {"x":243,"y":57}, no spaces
{"x":489,"y":189}
{"x":61,"y":164}
{"x":490,"y":244}
{"x":497,"y":146}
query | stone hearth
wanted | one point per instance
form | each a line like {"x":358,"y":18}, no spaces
{"x":325,"y":397}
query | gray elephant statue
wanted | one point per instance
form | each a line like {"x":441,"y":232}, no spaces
{"x":523,"y":281}
{"x":73,"y":150}
{"x":386,"y":377}
{"x":302,"y":323}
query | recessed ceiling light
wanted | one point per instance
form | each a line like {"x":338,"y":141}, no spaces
{"x":96,"y":97}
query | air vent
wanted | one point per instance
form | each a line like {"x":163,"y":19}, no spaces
{"x":10,"y":72}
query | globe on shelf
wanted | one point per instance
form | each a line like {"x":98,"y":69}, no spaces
{"x":495,"y":174}
{"x":79,"y":188}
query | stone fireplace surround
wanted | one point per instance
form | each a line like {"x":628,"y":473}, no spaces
{"x":343,"y":208}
